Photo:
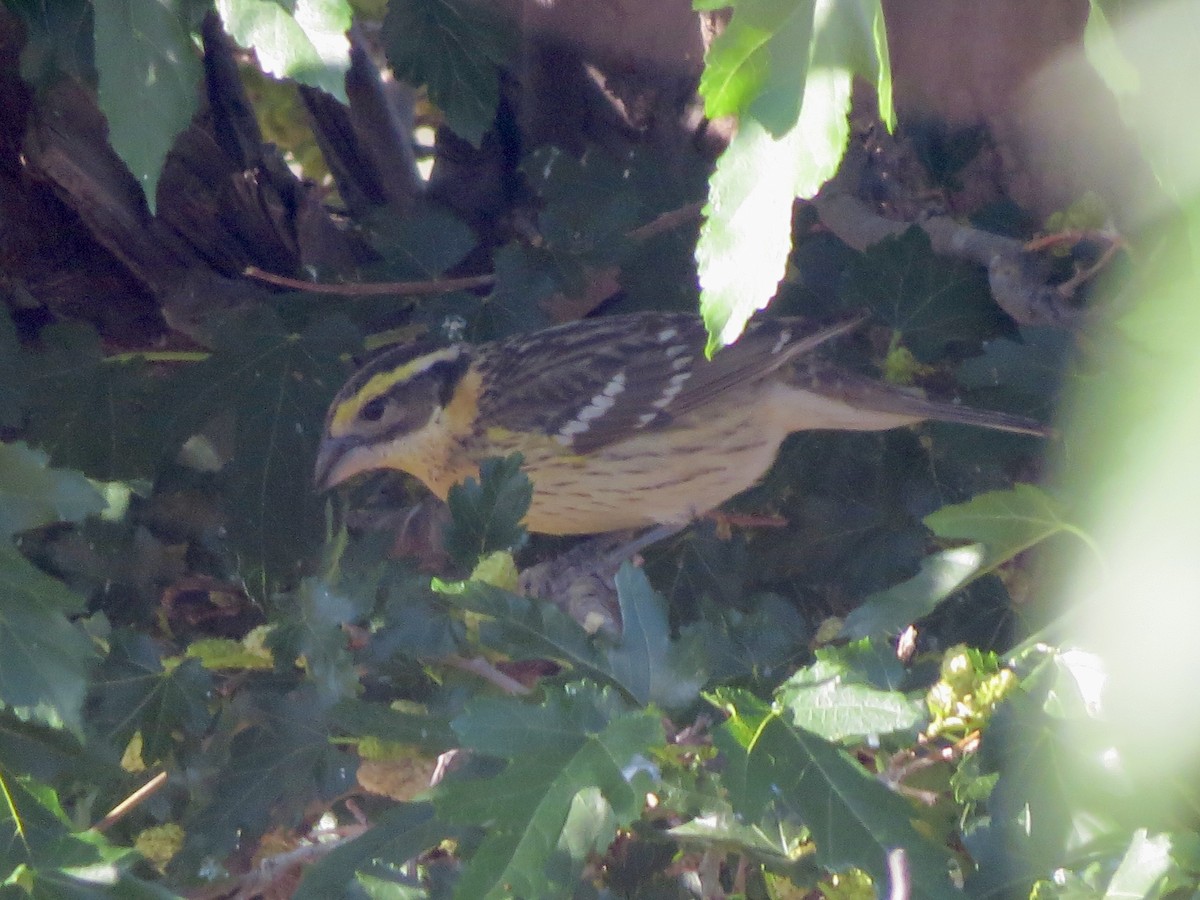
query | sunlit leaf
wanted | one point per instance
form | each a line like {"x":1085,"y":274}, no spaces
{"x":305,"y":40}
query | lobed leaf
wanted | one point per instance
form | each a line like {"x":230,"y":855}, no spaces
{"x":854,"y":819}
{"x":567,"y":787}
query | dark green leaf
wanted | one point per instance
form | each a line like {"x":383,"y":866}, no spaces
{"x":931,"y":301}
{"x":1028,"y":827}
{"x":453,"y":47}
{"x":521,"y":285}
{"x":362,"y":719}
{"x":524,"y":628}
{"x":150,"y":78}
{"x":13,"y":376}
{"x":46,"y":753}
{"x":1031,"y":368}
{"x":589,"y":203}
{"x":647,"y":663}
{"x":1006,"y":522}
{"x":276,"y":768}
{"x":485,"y":515}
{"x":132,"y":692}
{"x":90,"y":414}
{"x":890,"y":611}
{"x":277,"y":386}
{"x":764,"y":643}
{"x":577,"y":741}
{"x":45,"y":659}
{"x":855,"y":821}
{"x":312,"y":629}
{"x":421,"y":244}
{"x":32,"y":495}
{"x":306,"y":42}
{"x":397,"y":836}
{"x":33,"y":829}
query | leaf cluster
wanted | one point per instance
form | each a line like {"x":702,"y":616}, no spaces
{"x":210,"y":674}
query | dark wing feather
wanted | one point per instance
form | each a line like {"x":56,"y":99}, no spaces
{"x":599,"y":381}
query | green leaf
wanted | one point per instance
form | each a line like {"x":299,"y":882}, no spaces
{"x":1002,"y":525}
{"x":589,"y":203}
{"x":34,"y":831}
{"x":13,"y":375}
{"x":788,"y":76}
{"x":277,"y":385}
{"x":647,"y":663}
{"x":313,"y":629}
{"x":276,"y":768}
{"x":890,"y":611}
{"x":1005,"y":522}
{"x":758,"y":644}
{"x":131,"y":692}
{"x":932,"y":302}
{"x":832,"y":700}
{"x":762,"y":53}
{"x":47,"y":753}
{"x":359,"y":718}
{"x":1032,"y":368}
{"x":304,"y":40}
{"x":523,"y":628}
{"x":1028,"y":827}
{"x":577,"y":742}
{"x":485,"y":515}
{"x":1105,"y":54}
{"x":746,"y":237}
{"x":150,"y":77}
{"x":454,"y":48}
{"x":855,"y":821}
{"x":44,"y":659}
{"x":1146,"y":864}
{"x":397,"y":836}
{"x":32,"y":494}
{"x":90,"y":414}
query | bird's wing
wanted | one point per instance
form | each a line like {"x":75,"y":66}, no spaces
{"x":594,"y":383}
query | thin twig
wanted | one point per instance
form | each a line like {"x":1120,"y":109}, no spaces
{"x":477,"y":665}
{"x":668,"y":221}
{"x":131,"y":802}
{"x":357,"y":289}
{"x":273,"y":869}
{"x":663,"y":223}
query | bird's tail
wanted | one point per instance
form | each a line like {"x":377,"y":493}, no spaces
{"x":876,"y":406}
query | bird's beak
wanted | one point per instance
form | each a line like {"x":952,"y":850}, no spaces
{"x":330,"y":469}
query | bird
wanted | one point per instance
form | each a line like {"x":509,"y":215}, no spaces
{"x":622,"y":420}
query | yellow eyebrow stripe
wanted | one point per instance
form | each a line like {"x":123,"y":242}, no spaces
{"x":382,"y":382}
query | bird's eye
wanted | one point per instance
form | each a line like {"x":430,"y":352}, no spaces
{"x":372,"y":410}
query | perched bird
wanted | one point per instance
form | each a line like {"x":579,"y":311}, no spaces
{"x":622,"y":420}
